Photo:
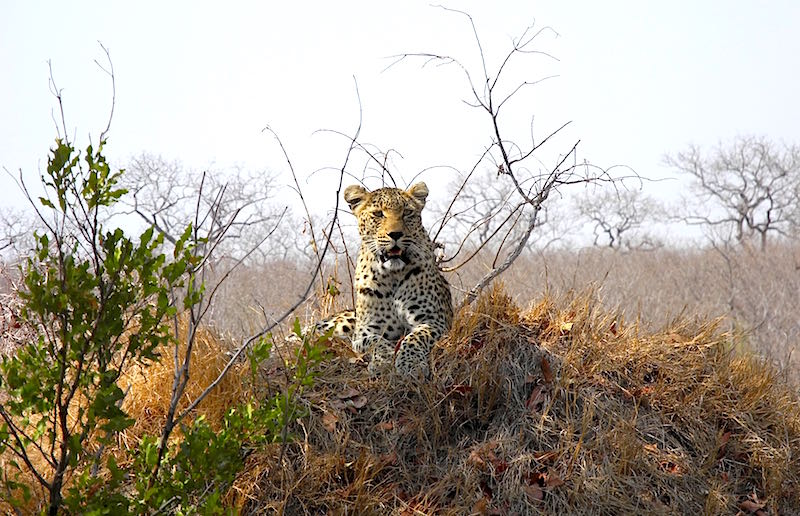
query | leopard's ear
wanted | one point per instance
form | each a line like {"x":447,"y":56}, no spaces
{"x":419,"y":192}
{"x":355,"y":195}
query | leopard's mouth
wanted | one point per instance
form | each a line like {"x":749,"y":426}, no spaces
{"x":395,"y":253}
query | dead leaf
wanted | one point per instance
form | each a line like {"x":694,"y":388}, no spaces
{"x":565,"y":327}
{"x":481,"y":506}
{"x":613,"y":328}
{"x":348,"y":393}
{"x":536,"y":399}
{"x":389,"y":458}
{"x":534,"y":492}
{"x":462,"y":389}
{"x":358,"y":401}
{"x":385,"y":425}
{"x":476,"y":460}
{"x":723,"y":441}
{"x":751,"y":506}
{"x":351,"y":399}
{"x":552,"y":479}
{"x":498,"y":464}
{"x":337,"y":404}
{"x":484,"y":456}
{"x":329,"y":421}
{"x":546,"y":371}
{"x":535,"y":478}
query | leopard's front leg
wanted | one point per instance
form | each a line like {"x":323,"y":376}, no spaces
{"x":379,"y":350}
{"x":414,"y":351}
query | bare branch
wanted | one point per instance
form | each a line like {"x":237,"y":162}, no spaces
{"x":303,"y":296}
{"x":110,"y":72}
{"x":504,"y":211}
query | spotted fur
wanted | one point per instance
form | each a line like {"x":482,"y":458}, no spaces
{"x":403,"y":303}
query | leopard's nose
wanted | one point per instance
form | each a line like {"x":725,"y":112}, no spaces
{"x":395,"y":235}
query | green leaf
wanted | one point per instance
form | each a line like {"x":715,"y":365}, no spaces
{"x":3,"y":436}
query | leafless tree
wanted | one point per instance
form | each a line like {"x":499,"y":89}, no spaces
{"x":165,"y":194}
{"x":476,"y":212}
{"x":617,"y":216}
{"x":531,"y":182}
{"x":16,"y":233}
{"x":747,"y":188}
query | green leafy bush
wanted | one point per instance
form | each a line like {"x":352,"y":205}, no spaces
{"x":97,"y":301}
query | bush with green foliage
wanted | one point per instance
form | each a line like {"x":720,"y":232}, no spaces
{"x":98,"y":301}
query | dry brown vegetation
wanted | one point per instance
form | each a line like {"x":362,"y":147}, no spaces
{"x":756,"y":292}
{"x":649,"y":393}
{"x":560,"y":407}
{"x":151,"y":385}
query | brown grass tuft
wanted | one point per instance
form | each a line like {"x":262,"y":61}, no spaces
{"x":151,"y":385}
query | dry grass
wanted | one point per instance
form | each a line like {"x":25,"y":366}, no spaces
{"x":560,"y":408}
{"x":756,"y":292}
{"x":151,"y":385}
{"x":564,"y":406}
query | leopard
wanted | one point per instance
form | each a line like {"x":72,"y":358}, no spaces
{"x":403,"y":303}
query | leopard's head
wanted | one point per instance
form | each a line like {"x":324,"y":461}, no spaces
{"x":390,"y":223}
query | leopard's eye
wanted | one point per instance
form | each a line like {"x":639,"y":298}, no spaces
{"x":408,"y":212}
{"x":378,"y":214}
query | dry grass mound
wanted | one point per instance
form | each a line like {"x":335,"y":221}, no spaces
{"x":561,"y":408}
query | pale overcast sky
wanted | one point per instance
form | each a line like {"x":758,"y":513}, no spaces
{"x":197,"y":81}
